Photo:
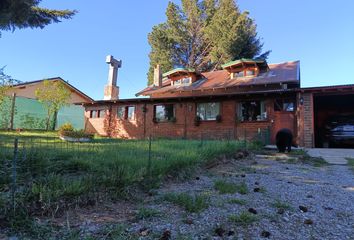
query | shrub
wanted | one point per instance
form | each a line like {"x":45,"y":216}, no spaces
{"x":66,"y":127}
{"x":77,"y":134}
{"x":68,"y":130}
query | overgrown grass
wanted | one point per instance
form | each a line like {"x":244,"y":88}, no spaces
{"x":191,"y":203}
{"x":244,"y":218}
{"x":52,"y":175}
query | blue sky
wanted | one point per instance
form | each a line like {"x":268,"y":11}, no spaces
{"x":318,"y":33}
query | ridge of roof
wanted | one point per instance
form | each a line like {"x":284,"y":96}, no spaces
{"x":53,"y":79}
{"x":242,"y":60}
{"x":179,"y":69}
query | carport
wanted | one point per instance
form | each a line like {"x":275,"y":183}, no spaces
{"x":329,"y":104}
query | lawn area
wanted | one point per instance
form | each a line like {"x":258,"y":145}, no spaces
{"x":53,"y":175}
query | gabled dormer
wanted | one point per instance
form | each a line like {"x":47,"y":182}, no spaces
{"x":245,"y":68}
{"x":181,"y":76}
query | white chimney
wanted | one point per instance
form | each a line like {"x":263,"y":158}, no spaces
{"x":157,"y":76}
{"x":111,"y":90}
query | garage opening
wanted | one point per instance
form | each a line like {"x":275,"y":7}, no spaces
{"x":334,"y":121}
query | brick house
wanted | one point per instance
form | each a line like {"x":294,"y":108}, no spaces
{"x":246,"y":99}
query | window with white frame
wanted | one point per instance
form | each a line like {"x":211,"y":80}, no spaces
{"x":284,"y":105}
{"x":252,"y":111}
{"x":126,"y":112}
{"x":208,"y":111}
{"x":183,"y":81}
{"x":97,"y":113}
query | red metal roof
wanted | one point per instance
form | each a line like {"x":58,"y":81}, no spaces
{"x":278,"y":73}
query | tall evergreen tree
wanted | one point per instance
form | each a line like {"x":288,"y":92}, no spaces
{"x":26,"y":14}
{"x":203,"y":35}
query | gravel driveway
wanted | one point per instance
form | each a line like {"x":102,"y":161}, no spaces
{"x":281,"y":198}
{"x":293,"y":201}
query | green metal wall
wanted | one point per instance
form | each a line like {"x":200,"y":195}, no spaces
{"x":30,"y":114}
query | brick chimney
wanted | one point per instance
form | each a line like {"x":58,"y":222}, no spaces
{"x":157,"y":76}
{"x":111,"y":90}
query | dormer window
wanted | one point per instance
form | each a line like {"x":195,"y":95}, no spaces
{"x":181,"y":76}
{"x":245,"y":68}
{"x":182,"y":82}
{"x":250,"y":72}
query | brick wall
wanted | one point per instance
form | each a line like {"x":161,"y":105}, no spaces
{"x":184,"y":127}
{"x":306,"y":121}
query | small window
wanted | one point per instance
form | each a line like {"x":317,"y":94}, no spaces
{"x":208,"y":111}
{"x":285,"y":105}
{"x":94,"y":114}
{"x":250,"y":73}
{"x":101,"y":113}
{"x":121,"y":112}
{"x":164,"y":112}
{"x":252,"y":111}
{"x":240,"y":74}
{"x":97,"y":114}
{"x":183,"y":82}
{"x":130,"y":112}
{"x":126,"y":112}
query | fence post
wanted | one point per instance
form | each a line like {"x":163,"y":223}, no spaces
{"x":12,"y":116}
{"x":245,"y":138}
{"x":149,"y":160}
{"x":13,"y":191}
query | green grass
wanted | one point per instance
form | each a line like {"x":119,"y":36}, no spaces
{"x":351,"y":163}
{"x":53,"y":175}
{"x":225,"y":187}
{"x":238,"y":201}
{"x":244,"y":218}
{"x":147,"y":213}
{"x":281,"y":205}
{"x":191,"y":203}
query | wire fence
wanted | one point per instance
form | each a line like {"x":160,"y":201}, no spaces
{"x":38,"y":169}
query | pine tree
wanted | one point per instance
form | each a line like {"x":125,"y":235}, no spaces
{"x":26,"y":14}
{"x":203,"y":35}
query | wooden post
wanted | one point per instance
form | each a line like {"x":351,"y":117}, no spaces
{"x":13,"y":100}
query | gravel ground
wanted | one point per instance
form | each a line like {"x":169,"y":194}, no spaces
{"x":293,"y":201}
{"x":325,"y":194}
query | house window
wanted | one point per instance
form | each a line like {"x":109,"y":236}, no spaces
{"x":97,"y":114}
{"x":250,"y":72}
{"x":126,"y":112}
{"x":183,"y":82}
{"x":284,"y":105}
{"x":164,"y":112}
{"x":208,"y":111}
{"x":252,"y":111}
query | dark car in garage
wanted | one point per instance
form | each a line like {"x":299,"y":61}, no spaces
{"x":340,"y":131}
